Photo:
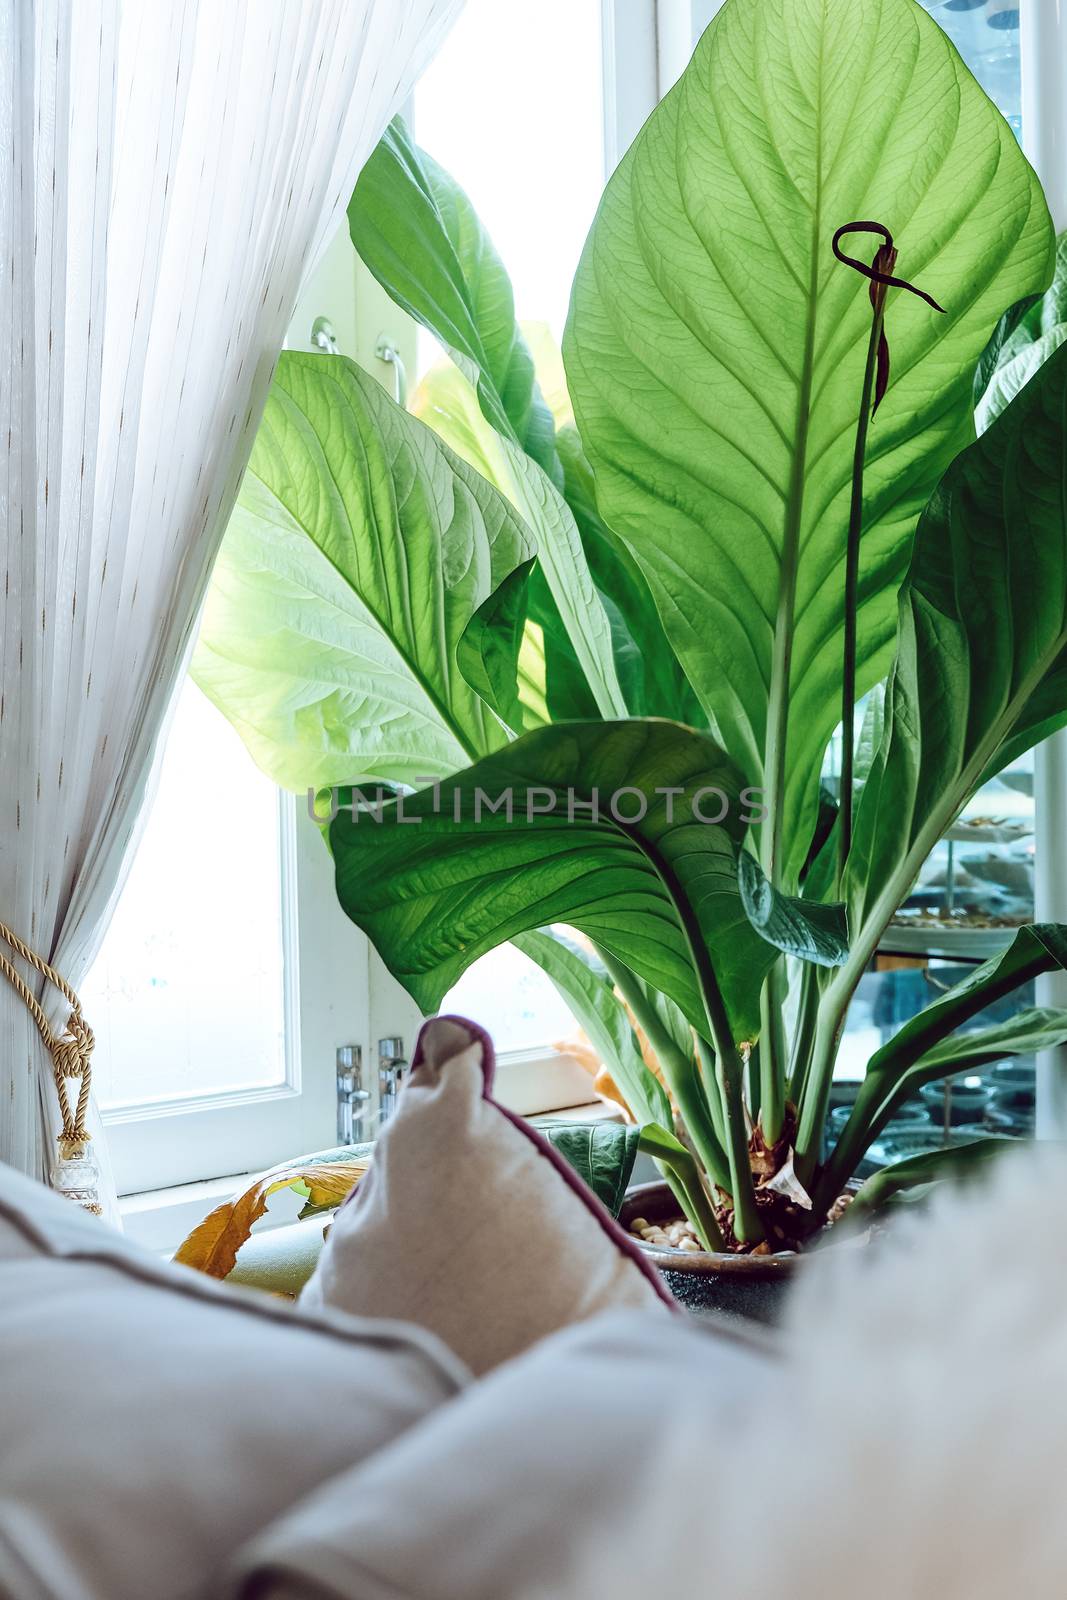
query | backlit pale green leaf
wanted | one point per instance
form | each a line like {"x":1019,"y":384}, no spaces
{"x":358,"y":553}
{"x":715,"y":351}
{"x":588,"y":990}
{"x":448,"y":403}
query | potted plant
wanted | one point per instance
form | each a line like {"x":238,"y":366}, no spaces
{"x":591,"y":679}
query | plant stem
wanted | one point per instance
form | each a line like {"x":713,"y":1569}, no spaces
{"x":803,"y":1034}
{"x":682,"y":1173}
{"x":729,"y":1073}
{"x":679,"y":1072}
{"x":710,"y":1081}
{"x":812,"y":1112}
{"x":772,"y":1054}
{"x":852,"y":574}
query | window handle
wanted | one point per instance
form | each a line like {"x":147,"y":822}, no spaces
{"x":323,"y":337}
{"x":351,"y":1095}
{"x":392,"y":1070}
{"x":388,"y":350}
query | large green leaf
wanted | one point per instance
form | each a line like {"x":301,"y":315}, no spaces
{"x":1040,"y":947}
{"x":651,"y":676}
{"x":981,"y":668}
{"x":658,"y":892}
{"x":419,"y":235}
{"x":575,"y":608}
{"x":601,"y":1153}
{"x":715,"y":350}
{"x":1015,"y":374}
{"x":358,"y":553}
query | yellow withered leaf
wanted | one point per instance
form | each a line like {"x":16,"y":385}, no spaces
{"x":212,"y":1246}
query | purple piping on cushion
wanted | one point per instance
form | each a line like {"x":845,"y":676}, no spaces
{"x":618,"y":1235}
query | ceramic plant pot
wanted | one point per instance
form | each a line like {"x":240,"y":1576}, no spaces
{"x":749,"y":1287}
{"x":968,"y":1099}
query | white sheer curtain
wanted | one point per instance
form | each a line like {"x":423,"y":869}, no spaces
{"x":169,"y":170}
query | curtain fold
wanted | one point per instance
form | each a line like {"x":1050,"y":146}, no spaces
{"x":169,"y":172}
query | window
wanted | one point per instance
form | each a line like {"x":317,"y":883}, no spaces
{"x":228,"y":975}
{"x":194,"y":959}
{"x":537,"y":221}
{"x":986,"y":34}
{"x":538,"y":225}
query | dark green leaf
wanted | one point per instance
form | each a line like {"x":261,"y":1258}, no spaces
{"x":1041,"y":947}
{"x":916,"y":1055}
{"x":490,"y":647}
{"x":802,"y":928}
{"x":1027,"y":1033}
{"x":434,"y":893}
{"x":1002,"y":345}
{"x":601,"y":1153}
{"x":981,"y":667}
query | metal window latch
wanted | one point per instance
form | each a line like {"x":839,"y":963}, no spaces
{"x":388,"y":350}
{"x":323,"y":336}
{"x":351,"y":1096}
{"x":392,"y":1070}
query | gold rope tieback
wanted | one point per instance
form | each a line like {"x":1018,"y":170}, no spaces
{"x":71,"y":1053}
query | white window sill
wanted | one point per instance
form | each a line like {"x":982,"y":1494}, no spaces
{"x":159,"y":1219}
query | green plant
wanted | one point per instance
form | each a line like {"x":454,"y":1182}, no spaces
{"x":679,"y":594}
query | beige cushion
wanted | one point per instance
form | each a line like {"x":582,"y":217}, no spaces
{"x":510,"y":1492}
{"x":470,"y":1224}
{"x":907,"y":1446}
{"x":152,"y":1420}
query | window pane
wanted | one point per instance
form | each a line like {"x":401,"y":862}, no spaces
{"x":513,"y":1000}
{"x":512,"y":108}
{"x":534,"y":72}
{"x":986,"y":34}
{"x":186,"y":997}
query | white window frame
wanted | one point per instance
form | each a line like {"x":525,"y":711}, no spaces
{"x":338,"y":991}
